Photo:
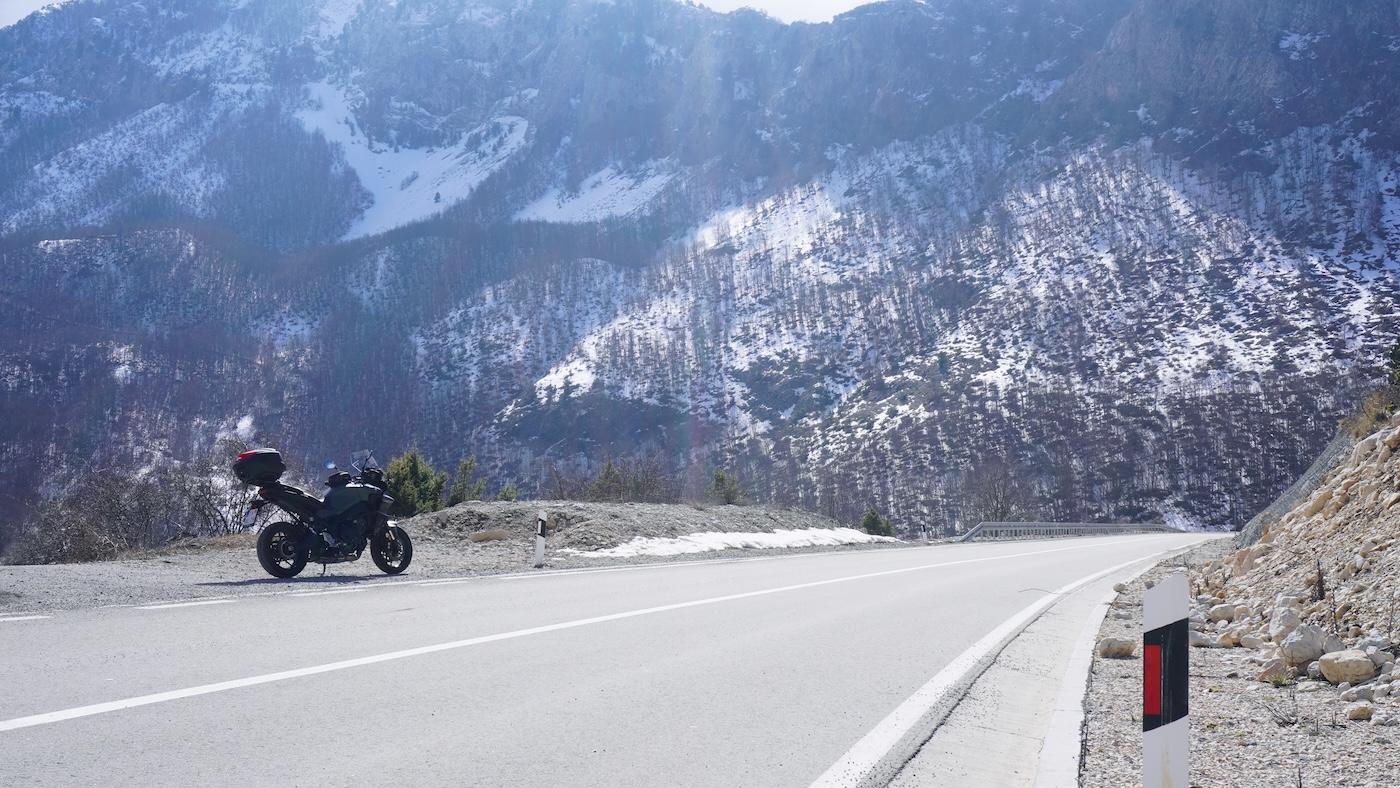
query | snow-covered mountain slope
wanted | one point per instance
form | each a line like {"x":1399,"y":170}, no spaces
{"x":1097,"y":242}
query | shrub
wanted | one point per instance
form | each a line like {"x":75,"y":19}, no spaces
{"x":463,"y":488}
{"x":639,"y":480}
{"x":111,"y":511}
{"x":726,"y":487}
{"x":508,"y":493}
{"x":875,"y":525}
{"x":415,"y":484}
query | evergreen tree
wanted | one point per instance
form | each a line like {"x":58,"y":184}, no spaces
{"x":875,"y":525}
{"x":463,"y":488}
{"x":415,"y":484}
{"x":508,"y":493}
{"x":726,"y":487}
{"x":608,"y":484}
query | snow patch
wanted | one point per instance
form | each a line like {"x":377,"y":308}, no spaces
{"x":1298,"y":45}
{"x":709,"y":541}
{"x":409,"y":184}
{"x":606,"y":194}
{"x":334,"y":16}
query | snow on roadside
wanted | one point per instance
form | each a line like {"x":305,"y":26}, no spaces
{"x":720,"y":540}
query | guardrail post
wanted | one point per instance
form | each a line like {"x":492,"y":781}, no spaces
{"x":1165,"y":675}
{"x":541,"y":531}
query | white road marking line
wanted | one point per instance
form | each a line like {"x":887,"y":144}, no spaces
{"x":23,"y":618}
{"x":268,"y":678}
{"x":327,"y":593}
{"x":184,"y":604}
{"x":866,"y":762}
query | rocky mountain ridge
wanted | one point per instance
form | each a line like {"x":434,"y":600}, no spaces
{"x":854,"y":260}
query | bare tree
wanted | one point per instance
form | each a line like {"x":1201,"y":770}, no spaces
{"x":992,"y":492}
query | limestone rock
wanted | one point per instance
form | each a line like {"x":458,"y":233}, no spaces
{"x":1116,"y":648}
{"x":1283,"y":622}
{"x":1224,"y":612}
{"x":1349,"y":666}
{"x":1303,"y":645}
{"x":1360,"y":711}
{"x":1274,"y":670}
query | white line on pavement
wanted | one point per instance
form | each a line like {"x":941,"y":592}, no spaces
{"x":864,"y":763}
{"x":184,"y":604}
{"x":24,"y":618}
{"x":268,"y":678}
{"x":327,"y":593}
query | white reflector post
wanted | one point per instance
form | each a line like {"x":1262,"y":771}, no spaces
{"x":541,"y":528}
{"x":1166,"y":640}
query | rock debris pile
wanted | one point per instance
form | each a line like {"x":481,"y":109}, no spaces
{"x":1315,"y":600}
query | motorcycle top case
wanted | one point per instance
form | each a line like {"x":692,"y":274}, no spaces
{"x":260,"y":466}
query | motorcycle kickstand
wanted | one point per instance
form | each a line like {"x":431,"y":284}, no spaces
{"x":323,"y":570}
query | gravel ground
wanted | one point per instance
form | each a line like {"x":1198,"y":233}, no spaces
{"x":471,"y":539}
{"x":1235,"y":740}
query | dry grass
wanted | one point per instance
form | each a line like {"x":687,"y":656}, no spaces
{"x":195,"y":544}
{"x":1378,"y":406}
{"x":489,"y":536}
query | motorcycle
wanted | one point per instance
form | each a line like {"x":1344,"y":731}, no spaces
{"x":353,"y":516}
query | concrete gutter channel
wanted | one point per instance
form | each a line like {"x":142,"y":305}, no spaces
{"x":1033,"y":738}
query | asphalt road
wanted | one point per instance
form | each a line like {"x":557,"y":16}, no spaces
{"x":751,"y":673}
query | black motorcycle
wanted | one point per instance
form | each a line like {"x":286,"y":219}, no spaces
{"x":353,"y":515}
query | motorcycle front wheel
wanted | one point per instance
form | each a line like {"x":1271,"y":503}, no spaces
{"x":281,"y":550}
{"x":391,"y":549}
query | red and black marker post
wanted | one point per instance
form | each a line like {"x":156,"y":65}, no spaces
{"x":1166,"y":642}
{"x":541,"y":531}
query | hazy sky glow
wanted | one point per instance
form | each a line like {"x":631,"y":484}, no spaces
{"x":790,"y":10}
{"x":12,"y":11}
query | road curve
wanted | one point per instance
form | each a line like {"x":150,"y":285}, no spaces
{"x":751,"y":673}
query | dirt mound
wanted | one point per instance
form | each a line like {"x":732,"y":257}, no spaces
{"x":596,"y":526}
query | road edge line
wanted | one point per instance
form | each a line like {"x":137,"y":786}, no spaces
{"x":874,"y":760}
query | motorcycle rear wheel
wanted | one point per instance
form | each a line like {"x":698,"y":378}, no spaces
{"x":391,"y":549}
{"x":281,"y":550}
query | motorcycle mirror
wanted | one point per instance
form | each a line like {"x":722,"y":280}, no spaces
{"x":330,"y":465}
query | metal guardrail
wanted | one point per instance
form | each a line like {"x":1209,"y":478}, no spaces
{"x":989,"y":531}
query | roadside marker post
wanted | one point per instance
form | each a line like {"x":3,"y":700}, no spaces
{"x":541,"y":531}
{"x":1166,"y":644}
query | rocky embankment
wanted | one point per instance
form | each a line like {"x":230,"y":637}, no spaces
{"x":1315,"y":599}
{"x":1294,"y":677}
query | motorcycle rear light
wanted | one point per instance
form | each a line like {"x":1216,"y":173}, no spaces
{"x":245,"y":455}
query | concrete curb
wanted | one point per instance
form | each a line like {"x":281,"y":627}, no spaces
{"x":1062,"y":753}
